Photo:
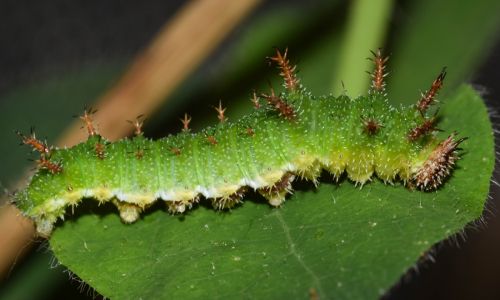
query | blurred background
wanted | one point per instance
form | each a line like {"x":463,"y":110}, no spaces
{"x":58,"y":56}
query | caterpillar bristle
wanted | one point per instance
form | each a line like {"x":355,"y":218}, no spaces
{"x":185,"y":123}
{"x":228,"y":202}
{"x":100,"y":150}
{"x":284,"y":109}
{"x":423,"y":129}
{"x":291,"y":81}
{"x":87,"y":120}
{"x":220,"y":112}
{"x":378,"y":75}
{"x":211,"y":139}
{"x":138,"y":123}
{"x":175,"y":150}
{"x":46,"y":164}
{"x":429,"y":97}
{"x":33,"y":142}
{"x":255,"y":100}
{"x":139,"y":153}
{"x":250,"y":131}
{"x":371,"y":125}
{"x":311,"y":172}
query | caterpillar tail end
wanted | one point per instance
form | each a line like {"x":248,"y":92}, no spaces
{"x":438,"y":165}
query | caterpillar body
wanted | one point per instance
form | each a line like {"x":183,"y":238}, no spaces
{"x":288,"y":135}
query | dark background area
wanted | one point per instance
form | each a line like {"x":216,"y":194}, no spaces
{"x":39,"y":40}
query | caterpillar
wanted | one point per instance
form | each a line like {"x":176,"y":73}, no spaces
{"x":287,"y":135}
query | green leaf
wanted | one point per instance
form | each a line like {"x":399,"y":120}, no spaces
{"x":337,"y":240}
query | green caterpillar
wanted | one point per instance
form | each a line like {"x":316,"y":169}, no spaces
{"x":287,"y":135}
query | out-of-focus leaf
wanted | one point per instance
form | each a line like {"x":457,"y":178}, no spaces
{"x":48,"y":106}
{"x":436,"y":34}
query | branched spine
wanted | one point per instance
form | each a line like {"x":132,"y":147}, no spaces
{"x":429,"y":97}
{"x":287,"y":70}
{"x":378,"y":75}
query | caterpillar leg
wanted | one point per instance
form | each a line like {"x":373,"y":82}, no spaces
{"x":230,"y":201}
{"x":276,"y":194}
{"x":129,"y":213}
{"x":180,"y":206}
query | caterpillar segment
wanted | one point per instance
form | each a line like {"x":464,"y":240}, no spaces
{"x":290,"y":135}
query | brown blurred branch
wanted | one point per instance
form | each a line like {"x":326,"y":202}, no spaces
{"x":180,"y":46}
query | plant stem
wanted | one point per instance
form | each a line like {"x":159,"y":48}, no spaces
{"x":366,"y":30}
